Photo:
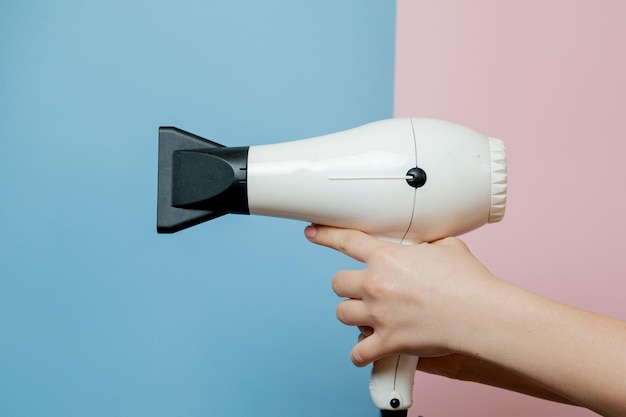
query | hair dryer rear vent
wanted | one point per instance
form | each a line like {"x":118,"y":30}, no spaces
{"x":498,"y":180}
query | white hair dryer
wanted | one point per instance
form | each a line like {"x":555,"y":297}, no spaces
{"x":406,"y":180}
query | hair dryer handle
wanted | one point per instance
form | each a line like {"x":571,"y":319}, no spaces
{"x":391,"y":383}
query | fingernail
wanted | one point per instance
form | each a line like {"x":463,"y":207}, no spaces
{"x":310,"y":232}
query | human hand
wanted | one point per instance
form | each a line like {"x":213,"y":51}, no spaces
{"x":437,"y":301}
{"x":417,"y":299}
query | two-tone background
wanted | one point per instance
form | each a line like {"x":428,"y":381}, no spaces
{"x":100,"y":316}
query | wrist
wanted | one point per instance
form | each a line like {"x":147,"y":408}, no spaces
{"x":499,"y":317}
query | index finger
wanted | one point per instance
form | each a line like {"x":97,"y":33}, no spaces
{"x":356,"y":244}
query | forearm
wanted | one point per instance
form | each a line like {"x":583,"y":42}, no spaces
{"x":578,"y":355}
{"x":473,"y":369}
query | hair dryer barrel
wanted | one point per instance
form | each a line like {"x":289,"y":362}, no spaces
{"x":353,"y":179}
{"x":409,"y":180}
{"x":360,"y":178}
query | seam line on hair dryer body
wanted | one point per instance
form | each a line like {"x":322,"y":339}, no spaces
{"x":415,"y":190}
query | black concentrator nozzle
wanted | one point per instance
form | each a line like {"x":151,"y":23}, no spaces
{"x":199,"y":180}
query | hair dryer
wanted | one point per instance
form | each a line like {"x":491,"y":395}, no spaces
{"x":407,"y":180}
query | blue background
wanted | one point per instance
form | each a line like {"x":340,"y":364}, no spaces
{"x":99,"y":315}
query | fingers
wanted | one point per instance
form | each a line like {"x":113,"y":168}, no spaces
{"x":348,"y":284}
{"x":367,"y":351}
{"x":353,"y":243}
{"x":353,"y":313}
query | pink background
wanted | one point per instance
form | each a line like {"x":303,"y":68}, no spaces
{"x":549,"y":78}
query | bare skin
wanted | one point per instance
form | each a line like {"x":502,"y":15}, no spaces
{"x":437,"y":301}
